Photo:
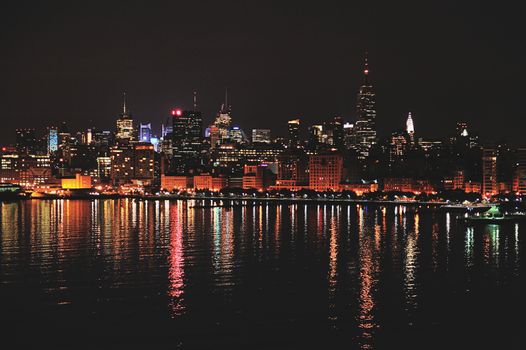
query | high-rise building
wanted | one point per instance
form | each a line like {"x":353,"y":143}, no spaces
{"x":125,"y":130}
{"x":187,"y":139}
{"x":26,"y":141}
{"x":261,"y":135}
{"x":316,"y":136}
{"x":489,"y":172}
{"x":52,"y":140}
{"x":145,"y":132}
{"x":294,"y":132}
{"x":219,"y":130}
{"x":333,"y":133}
{"x":64,"y":135}
{"x":104,"y":168}
{"x":143,"y":161}
{"x":121,"y":164}
{"x":365,"y":126}
{"x":521,"y":170}
{"x":237,"y":135}
{"x":410,"y":128}
{"x":397,"y":146}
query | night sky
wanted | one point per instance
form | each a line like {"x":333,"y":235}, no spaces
{"x":71,"y":61}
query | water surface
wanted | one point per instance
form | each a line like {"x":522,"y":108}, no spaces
{"x":161,"y":274}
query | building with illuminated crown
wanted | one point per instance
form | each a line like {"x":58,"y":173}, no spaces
{"x":125,"y":129}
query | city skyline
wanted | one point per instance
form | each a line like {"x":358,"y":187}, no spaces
{"x":265,"y":67}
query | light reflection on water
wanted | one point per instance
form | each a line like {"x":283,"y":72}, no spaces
{"x":371,"y":266}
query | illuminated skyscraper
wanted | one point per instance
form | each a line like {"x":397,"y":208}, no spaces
{"x":365,"y":127}
{"x":125,"y":130}
{"x":187,"y":139}
{"x":219,"y":130}
{"x":145,"y":132}
{"x":52,"y":140}
{"x":294,"y":132}
{"x":489,"y":172}
{"x":410,"y":128}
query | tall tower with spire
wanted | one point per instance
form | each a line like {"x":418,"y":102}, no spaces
{"x":219,"y":130}
{"x":410,"y":128}
{"x":365,"y":127}
{"x":125,"y":130}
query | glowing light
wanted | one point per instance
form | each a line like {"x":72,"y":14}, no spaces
{"x":177,"y":112}
{"x":366,"y":71}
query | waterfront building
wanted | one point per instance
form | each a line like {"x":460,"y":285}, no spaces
{"x":176,"y":182}
{"x":293,"y":165}
{"x":408,"y":185}
{"x":144,"y":161}
{"x":209,"y":182}
{"x":25,"y":170}
{"x":325,"y":171}
{"x":76,"y":183}
{"x":521,"y":170}
{"x":257,"y":177}
{"x":122,"y":164}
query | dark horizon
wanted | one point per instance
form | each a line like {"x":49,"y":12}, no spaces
{"x":444,"y":63}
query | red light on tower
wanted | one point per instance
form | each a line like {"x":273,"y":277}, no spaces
{"x":177,"y":112}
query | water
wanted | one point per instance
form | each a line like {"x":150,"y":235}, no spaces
{"x":161,"y":274}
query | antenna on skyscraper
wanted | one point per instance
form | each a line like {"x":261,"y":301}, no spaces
{"x":366,"y":67}
{"x":226,"y":98}
{"x":124,"y":104}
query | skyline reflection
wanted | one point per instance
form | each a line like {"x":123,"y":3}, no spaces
{"x":219,"y":265}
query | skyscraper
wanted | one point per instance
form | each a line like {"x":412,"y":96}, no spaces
{"x":489,"y":171}
{"x":52,"y":140}
{"x":294,"y":132}
{"x":187,"y":138}
{"x":26,"y":141}
{"x":410,"y":128}
{"x":145,"y":132}
{"x":261,"y":135}
{"x":365,"y":127}
{"x":219,"y":130}
{"x":125,"y":130}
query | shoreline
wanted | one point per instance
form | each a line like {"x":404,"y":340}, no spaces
{"x":237,"y":198}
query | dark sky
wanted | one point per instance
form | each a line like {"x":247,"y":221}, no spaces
{"x":444,"y":62}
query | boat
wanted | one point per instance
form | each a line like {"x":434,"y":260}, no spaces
{"x":9,"y":192}
{"x":467,"y":207}
{"x":494,"y":216}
